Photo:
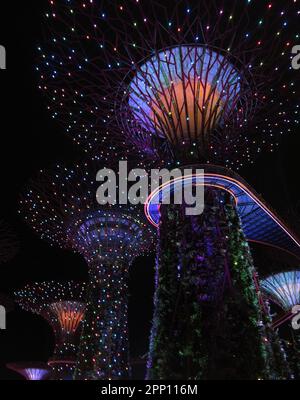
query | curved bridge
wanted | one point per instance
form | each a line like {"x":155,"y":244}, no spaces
{"x":260,"y":224}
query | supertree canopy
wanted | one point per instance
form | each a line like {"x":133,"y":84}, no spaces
{"x":187,"y":83}
{"x":9,"y":244}
{"x":283,"y":289}
{"x":63,"y":306}
{"x":62,"y":207}
{"x":209,"y":81}
{"x":32,"y":371}
{"x":7,"y":302}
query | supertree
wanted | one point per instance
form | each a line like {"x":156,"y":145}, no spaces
{"x":186,"y":83}
{"x":32,"y":371}
{"x":9,"y":244}
{"x":283,"y":289}
{"x":62,"y":305}
{"x":62,"y":207}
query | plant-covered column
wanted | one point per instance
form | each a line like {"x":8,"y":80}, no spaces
{"x":207,"y":321}
{"x":243,"y":345}
{"x":163,"y":352}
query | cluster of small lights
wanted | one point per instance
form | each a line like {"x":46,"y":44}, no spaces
{"x":283,"y":289}
{"x":185,"y":107}
{"x":39,"y":297}
{"x":63,"y":306}
{"x":103,"y":352}
{"x":94,"y":46}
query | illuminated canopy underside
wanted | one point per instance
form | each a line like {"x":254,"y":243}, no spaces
{"x":259,"y":223}
{"x":283,"y":288}
{"x":49,"y":298}
{"x":33,"y":374}
{"x":183,"y":93}
{"x":110,"y":236}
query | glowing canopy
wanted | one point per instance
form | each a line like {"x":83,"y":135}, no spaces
{"x":283,"y":288}
{"x":183,"y":93}
{"x":32,"y":371}
{"x":111,"y":236}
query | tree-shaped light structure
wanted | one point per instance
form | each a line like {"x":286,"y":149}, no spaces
{"x":32,"y":371}
{"x":63,"y":209}
{"x":63,"y":306}
{"x":283,"y":288}
{"x":9,"y":244}
{"x":187,"y":83}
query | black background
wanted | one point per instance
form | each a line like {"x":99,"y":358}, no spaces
{"x":31,"y":140}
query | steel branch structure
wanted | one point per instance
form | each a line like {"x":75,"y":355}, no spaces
{"x":32,"y":371}
{"x":213,"y":77}
{"x":63,"y":306}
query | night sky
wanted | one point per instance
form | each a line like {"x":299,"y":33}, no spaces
{"x":30,"y":140}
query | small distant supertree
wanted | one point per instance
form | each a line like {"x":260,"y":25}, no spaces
{"x":284,"y":290}
{"x":32,"y":371}
{"x":63,"y":306}
{"x":61,"y":206}
{"x":9,"y":244}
